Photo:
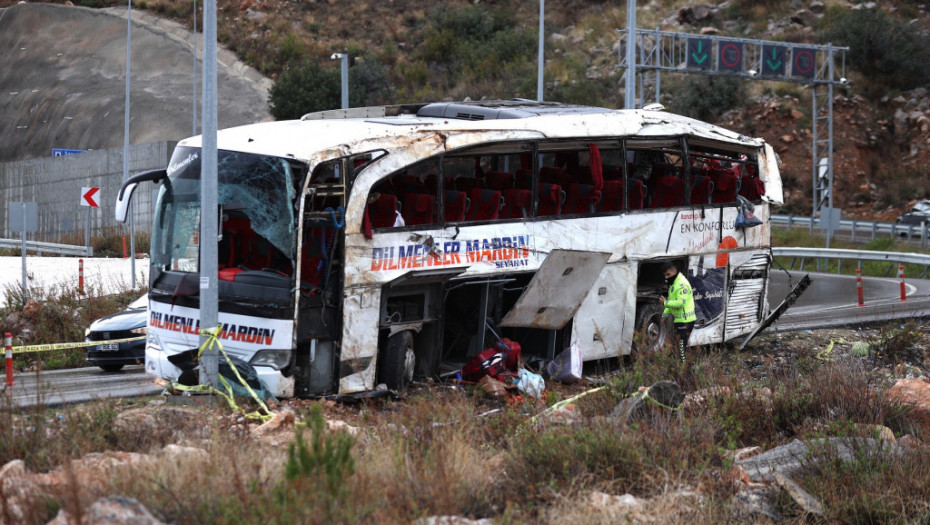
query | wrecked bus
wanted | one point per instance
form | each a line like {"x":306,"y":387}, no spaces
{"x":371,"y":246}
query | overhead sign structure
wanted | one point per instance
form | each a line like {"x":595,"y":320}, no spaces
{"x":699,"y":53}
{"x":88,"y":197}
{"x":730,"y":56}
{"x":803,"y":62}
{"x":774,"y":60}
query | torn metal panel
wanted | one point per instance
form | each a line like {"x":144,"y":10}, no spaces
{"x":360,"y":337}
{"x":603,"y":326}
{"x":771,"y":176}
{"x":556,"y":291}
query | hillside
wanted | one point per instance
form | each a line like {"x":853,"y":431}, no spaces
{"x":416,"y":50}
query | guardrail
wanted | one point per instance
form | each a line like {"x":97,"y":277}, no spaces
{"x":919,"y":232}
{"x":819,"y":254}
{"x":42,"y":248}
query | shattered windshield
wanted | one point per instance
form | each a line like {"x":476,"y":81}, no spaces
{"x":256,"y":191}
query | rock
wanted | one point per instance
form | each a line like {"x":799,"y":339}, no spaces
{"x":183,"y":454}
{"x":751,"y":504}
{"x":805,"y":18}
{"x":451,"y":520}
{"x":879,"y":432}
{"x":744,"y":453}
{"x":665,"y":394}
{"x":709,"y":30}
{"x":695,"y":401}
{"x":788,"y":459}
{"x":337,"y":425}
{"x":817,"y":7}
{"x":622,"y":509}
{"x":114,"y":510}
{"x":22,"y":497}
{"x":807,"y":502}
{"x":566,"y":415}
{"x":31,"y":310}
{"x":283,"y":420}
{"x":914,"y":394}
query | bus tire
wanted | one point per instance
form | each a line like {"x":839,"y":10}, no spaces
{"x":397,"y":361}
{"x":653,"y":328}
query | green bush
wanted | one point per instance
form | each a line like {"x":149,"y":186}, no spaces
{"x":707,"y":98}
{"x":307,"y":88}
{"x":887,"y":51}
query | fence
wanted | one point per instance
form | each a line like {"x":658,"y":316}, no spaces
{"x":912,"y":232}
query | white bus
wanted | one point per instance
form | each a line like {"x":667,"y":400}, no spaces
{"x":374,"y":245}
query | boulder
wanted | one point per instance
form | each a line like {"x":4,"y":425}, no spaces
{"x":915,"y":395}
{"x":114,"y":510}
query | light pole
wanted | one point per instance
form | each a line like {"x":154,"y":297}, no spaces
{"x":541,"y":65}
{"x":132,"y":219}
{"x":345,"y":77}
{"x":630,"y":90}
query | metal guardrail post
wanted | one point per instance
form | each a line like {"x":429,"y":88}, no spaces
{"x":874,"y":229}
{"x":854,"y":222}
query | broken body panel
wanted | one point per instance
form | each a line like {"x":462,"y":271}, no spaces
{"x":360,"y":251}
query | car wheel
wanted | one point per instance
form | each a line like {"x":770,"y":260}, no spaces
{"x":397,"y":361}
{"x":111,"y":368}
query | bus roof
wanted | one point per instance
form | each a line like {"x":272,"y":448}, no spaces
{"x":365,"y":129}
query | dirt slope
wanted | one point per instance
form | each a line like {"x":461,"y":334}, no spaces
{"x":62,"y":82}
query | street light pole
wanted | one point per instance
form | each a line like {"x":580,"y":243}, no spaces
{"x":344,"y":77}
{"x":541,"y":64}
{"x":132,"y":221}
{"x":630,"y":90}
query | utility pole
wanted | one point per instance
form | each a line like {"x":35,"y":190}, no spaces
{"x":541,"y":62}
{"x":209,"y":293}
{"x":629,"y":101}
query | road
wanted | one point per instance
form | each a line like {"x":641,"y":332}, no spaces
{"x":78,"y":385}
{"x":831,"y":300}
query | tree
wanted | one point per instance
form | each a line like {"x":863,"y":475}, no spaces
{"x":308,"y":88}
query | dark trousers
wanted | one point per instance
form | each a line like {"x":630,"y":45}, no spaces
{"x":683,"y":331}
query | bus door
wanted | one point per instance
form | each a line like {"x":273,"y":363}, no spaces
{"x":556,"y":292}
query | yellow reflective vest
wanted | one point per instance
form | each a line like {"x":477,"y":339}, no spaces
{"x":680,"y":301}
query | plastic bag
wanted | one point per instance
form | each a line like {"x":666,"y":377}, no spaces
{"x":566,"y":367}
{"x":531,"y":384}
{"x":745,"y":217}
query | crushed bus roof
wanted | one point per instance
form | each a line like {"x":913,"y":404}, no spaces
{"x":365,"y":129}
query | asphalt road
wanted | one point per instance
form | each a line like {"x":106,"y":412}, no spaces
{"x":832,"y":300}
{"x":78,"y":385}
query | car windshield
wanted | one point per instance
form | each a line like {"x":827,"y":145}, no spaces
{"x":139,"y":303}
{"x":922,"y":207}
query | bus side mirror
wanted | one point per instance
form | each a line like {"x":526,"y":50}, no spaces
{"x":125,"y":193}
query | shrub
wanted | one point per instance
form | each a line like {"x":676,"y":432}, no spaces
{"x":307,"y":88}
{"x":889,"y":52}
{"x":706,"y":98}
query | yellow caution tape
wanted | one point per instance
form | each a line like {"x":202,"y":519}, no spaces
{"x":65,"y":346}
{"x":824,"y":355}
{"x":213,"y":340}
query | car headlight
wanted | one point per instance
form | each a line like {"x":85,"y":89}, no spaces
{"x":276,"y":359}
{"x":140,"y":331}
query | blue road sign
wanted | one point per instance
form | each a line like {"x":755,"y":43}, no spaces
{"x":61,"y":152}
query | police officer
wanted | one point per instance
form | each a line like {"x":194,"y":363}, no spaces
{"x":679,"y":305}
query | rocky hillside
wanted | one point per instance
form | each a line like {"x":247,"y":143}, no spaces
{"x":414,"y":50}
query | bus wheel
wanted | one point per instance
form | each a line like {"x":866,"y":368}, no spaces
{"x":653,"y":329}
{"x":397,"y":361}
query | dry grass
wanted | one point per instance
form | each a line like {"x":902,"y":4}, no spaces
{"x":446,"y":451}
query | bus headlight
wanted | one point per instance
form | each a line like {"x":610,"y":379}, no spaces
{"x":152,"y":341}
{"x":140,"y":331}
{"x":276,"y":359}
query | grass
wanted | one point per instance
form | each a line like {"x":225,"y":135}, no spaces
{"x":800,"y":237}
{"x":436,"y":454}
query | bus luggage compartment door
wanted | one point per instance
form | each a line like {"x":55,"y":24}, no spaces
{"x":556,"y":291}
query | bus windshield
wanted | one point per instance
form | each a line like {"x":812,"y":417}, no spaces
{"x":256,"y":196}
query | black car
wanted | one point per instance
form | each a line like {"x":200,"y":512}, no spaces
{"x":918,"y":214}
{"x":130,"y":322}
